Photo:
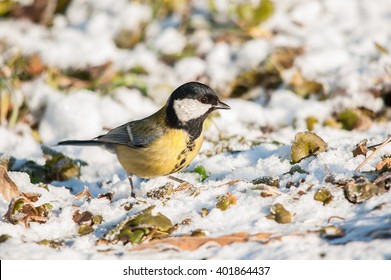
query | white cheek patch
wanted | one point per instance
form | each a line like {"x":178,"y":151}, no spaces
{"x":188,"y":109}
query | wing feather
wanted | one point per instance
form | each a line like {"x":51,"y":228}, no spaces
{"x":138,"y":133}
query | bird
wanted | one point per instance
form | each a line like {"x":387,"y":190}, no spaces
{"x":164,"y":142}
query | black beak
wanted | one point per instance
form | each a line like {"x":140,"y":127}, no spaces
{"x":221,"y":105}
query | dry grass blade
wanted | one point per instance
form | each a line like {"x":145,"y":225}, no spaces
{"x":374,"y":153}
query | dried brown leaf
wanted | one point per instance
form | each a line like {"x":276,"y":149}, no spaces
{"x":8,"y":189}
{"x":21,"y":208}
{"x":361,"y":148}
{"x":82,"y":218}
{"x":191,"y":243}
{"x":384,"y":164}
{"x":108,"y":196}
{"x":388,"y":140}
{"x":32,"y":197}
{"x":84,"y":193}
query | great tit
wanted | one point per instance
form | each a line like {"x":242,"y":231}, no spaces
{"x":165,"y":142}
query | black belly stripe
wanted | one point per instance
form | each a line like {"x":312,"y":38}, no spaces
{"x":190,"y":145}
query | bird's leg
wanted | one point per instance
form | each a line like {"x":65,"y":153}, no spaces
{"x":130,"y":178}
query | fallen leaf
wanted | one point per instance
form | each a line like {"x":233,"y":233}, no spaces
{"x":305,"y":88}
{"x":381,"y":146}
{"x":82,"y":218}
{"x":202,"y":172}
{"x":361,"y":148}
{"x":141,"y":227}
{"x":331,"y":232}
{"x":250,"y":15}
{"x":191,"y":243}
{"x":204,"y":212}
{"x":323,"y":195}
{"x":198,"y":233}
{"x":108,"y":196}
{"x":384,"y":164}
{"x":311,"y":121}
{"x":32,"y":197}
{"x":16,"y":205}
{"x":85,"y":229}
{"x":85,"y":193}
{"x":21,"y":208}
{"x":361,"y":189}
{"x":307,"y":144}
{"x":57,"y":167}
{"x":4,"y":237}
{"x":225,"y":201}
{"x":279,"y":214}
{"x":353,"y":118}
{"x":8,"y":189}
{"x":51,"y":243}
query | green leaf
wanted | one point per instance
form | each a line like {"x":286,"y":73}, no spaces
{"x":51,"y":243}
{"x":4,"y":237}
{"x":202,"y":172}
{"x":279,"y":214}
{"x":251,"y":16}
{"x":141,"y":226}
{"x":349,"y":118}
{"x":198,"y":232}
{"x":57,"y":167}
{"x":85,"y":229}
{"x":311,"y":121}
{"x":307,"y":144}
{"x":323,"y":195}
{"x":352,"y":118}
{"x":225,"y":201}
{"x":158,"y":221}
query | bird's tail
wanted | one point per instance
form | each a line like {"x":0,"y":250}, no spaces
{"x":81,"y":143}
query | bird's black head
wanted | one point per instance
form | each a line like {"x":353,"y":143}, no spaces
{"x":190,"y":104}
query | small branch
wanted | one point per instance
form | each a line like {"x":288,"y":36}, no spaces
{"x":382,"y":177}
{"x":374,"y":153}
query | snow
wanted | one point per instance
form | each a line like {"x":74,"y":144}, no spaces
{"x":338,"y":38}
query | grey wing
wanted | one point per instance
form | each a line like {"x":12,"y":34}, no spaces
{"x":132,"y":134}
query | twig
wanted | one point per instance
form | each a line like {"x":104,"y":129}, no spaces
{"x":176,"y":179}
{"x":382,"y":177}
{"x":373,"y":154}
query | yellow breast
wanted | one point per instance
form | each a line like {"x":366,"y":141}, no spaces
{"x":167,"y":154}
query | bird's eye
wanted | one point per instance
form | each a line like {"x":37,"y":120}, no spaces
{"x":204,"y":100}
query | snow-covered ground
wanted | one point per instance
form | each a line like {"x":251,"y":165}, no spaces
{"x":345,"y":47}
